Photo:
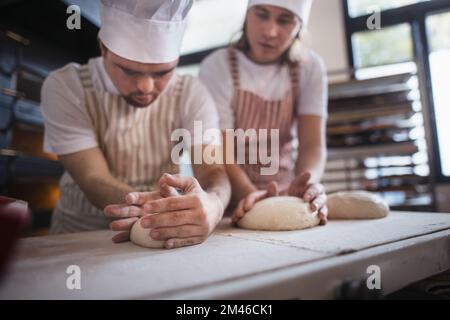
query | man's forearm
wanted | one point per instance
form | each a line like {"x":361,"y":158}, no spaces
{"x":102,"y":191}
{"x":215,"y":180}
{"x":90,"y":171}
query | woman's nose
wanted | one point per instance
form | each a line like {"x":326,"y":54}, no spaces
{"x":271,"y":29}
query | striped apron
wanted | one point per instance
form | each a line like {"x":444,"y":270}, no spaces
{"x":136,"y":143}
{"x":254,"y":112}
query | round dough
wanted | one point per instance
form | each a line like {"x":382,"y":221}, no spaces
{"x":279,"y":214}
{"x":141,"y":237}
{"x":356,"y":205}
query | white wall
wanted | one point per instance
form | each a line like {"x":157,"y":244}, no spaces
{"x":327,"y":33}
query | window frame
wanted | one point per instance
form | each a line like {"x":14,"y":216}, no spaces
{"x":416,"y":15}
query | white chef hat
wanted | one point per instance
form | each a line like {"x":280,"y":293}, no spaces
{"x":146,"y":31}
{"x":301,"y":8}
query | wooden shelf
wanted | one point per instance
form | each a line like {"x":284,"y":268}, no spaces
{"x":393,"y":149}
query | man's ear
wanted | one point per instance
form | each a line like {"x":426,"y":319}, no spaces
{"x":103,"y":49}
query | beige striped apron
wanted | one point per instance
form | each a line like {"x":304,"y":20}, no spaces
{"x":254,"y":112}
{"x":136,"y":143}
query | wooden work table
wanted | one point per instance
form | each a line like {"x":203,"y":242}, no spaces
{"x":235,"y":263}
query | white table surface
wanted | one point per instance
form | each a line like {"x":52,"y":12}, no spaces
{"x":235,"y":263}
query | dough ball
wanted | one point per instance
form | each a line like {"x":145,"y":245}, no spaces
{"x":141,"y":237}
{"x":279,"y":214}
{"x":356,"y":205}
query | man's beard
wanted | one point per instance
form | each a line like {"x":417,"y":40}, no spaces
{"x":133,"y":100}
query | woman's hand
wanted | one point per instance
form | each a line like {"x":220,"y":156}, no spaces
{"x":249,"y":201}
{"x":314,"y":193}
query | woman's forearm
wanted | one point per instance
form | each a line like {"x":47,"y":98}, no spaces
{"x":312,"y":150}
{"x":312,"y":159}
{"x":240,"y":182}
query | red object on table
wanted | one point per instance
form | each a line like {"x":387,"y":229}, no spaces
{"x":14,"y":218}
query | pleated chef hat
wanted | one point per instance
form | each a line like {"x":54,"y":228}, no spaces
{"x":301,"y":8}
{"x":146,"y":31}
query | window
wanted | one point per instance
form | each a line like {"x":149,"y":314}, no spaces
{"x":412,"y":32}
{"x":380,"y":47}
{"x":362,"y":7}
{"x":438,"y":30}
{"x":383,"y":52}
{"x":192,"y":69}
{"x":206,"y":27}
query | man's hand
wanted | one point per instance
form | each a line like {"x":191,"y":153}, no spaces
{"x":314,"y":193}
{"x":249,"y":201}
{"x":128,"y":213}
{"x":182,"y":220}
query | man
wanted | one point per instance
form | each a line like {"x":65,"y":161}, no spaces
{"x":110,"y":122}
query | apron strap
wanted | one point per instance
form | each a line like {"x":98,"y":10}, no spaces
{"x":294,"y":74}
{"x":92,"y":102}
{"x":234,"y":68}
{"x":85,"y":77}
{"x":179,"y":87}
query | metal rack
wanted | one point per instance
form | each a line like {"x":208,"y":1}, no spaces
{"x":377,"y":141}
{"x":26,"y":171}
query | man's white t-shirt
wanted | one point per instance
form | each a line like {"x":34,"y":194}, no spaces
{"x":271,"y":82}
{"x":68,"y":128}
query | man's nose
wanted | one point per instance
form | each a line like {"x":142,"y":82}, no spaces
{"x":145,"y":84}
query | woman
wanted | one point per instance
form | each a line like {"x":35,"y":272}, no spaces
{"x":266,"y":80}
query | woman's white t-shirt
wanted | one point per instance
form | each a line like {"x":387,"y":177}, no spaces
{"x":271,"y":82}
